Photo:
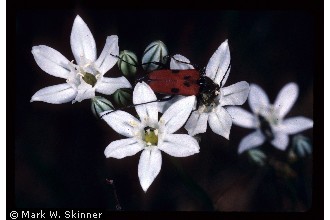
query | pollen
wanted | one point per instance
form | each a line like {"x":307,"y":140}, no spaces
{"x":133,"y":123}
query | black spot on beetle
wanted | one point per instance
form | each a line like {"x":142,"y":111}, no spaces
{"x":175,"y":90}
{"x":186,"y":83}
{"x":187,"y":77}
{"x":175,"y":71}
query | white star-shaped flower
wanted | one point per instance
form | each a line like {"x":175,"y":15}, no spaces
{"x":268,"y":119}
{"x":150,"y":135}
{"x":85,"y":78}
{"x":214,"y":112}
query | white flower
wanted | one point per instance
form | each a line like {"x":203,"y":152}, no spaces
{"x":83,"y":79}
{"x":150,"y":134}
{"x":212,"y":110}
{"x":268,"y":120}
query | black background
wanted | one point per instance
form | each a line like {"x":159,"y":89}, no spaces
{"x":58,"y":157}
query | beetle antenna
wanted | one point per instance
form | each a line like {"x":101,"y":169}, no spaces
{"x":152,"y":62}
{"x":225,"y":75}
{"x":124,"y":60}
{"x":144,"y":103}
{"x":180,"y":61}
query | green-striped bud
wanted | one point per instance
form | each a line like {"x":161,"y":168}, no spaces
{"x":155,"y":52}
{"x":127,"y":63}
{"x":257,"y":156}
{"x":301,"y":145}
{"x":99,"y":105}
{"x":123,"y":97}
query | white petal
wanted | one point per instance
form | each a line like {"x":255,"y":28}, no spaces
{"x":108,"y":85}
{"x":280,"y":140}
{"x":235,"y":94}
{"x":179,"y":145}
{"x":177,"y":114}
{"x":257,"y":98}
{"x":175,"y":65}
{"x":286,"y":98}
{"x":57,"y":94}
{"x":122,"y":148}
{"x":106,"y":61}
{"x":143,"y":93}
{"x":197,"y":123}
{"x":242,"y":117}
{"x":164,"y":105}
{"x":122,"y":122}
{"x":82,"y":42}
{"x":85,"y":91}
{"x":220,"y":122}
{"x":149,"y":166}
{"x":296,"y":124}
{"x":51,"y":61}
{"x":252,"y":140}
{"x":219,"y":63}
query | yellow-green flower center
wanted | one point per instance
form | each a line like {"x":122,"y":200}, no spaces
{"x":90,"y":79}
{"x":151,"y":136}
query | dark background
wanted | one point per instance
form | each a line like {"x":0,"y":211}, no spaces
{"x":58,"y":157}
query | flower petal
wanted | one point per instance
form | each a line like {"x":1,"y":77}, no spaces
{"x":235,"y":94}
{"x":108,"y":85}
{"x":82,"y":42}
{"x":219,"y":63}
{"x":280,"y":140}
{"x":250,"y":141}
{"x":122,"y":122}
{"x":57,"y":94}
{"x":143,"y":93}
{"x":177,"y":114}
{"x":242,"y":117}
{"x":122,"y":148}
{"x":51,"y":61}
{"x":197,"y":123}
{"x":106,"y":61}
{"x":149,"y":167}
{"x":179,"y":145}
{"x":257,"y":98}
{"x":286,"y":98}
{"x":85,"y":91}
{"x":176,"y":65}
{"x":164,"y":105}
{"x":296,"y":124}
{"x":220,"y":122}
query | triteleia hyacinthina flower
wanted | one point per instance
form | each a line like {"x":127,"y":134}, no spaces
{"x":84,"y":78}
{"x":213,"y":113}
{"x":150,"y":134}
{"x":268,"y":119}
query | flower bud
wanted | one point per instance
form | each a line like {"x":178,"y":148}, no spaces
{"x":127,"y":63}
{"x":301,"y":145}
{"x":99,"y":105}
{"x":257,"y":156}
{"x":123,"y":97}
{"x":155,"y":52}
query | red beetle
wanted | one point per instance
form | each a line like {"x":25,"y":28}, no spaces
{"x":180,"y":82}
{"x":183,"y":82}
